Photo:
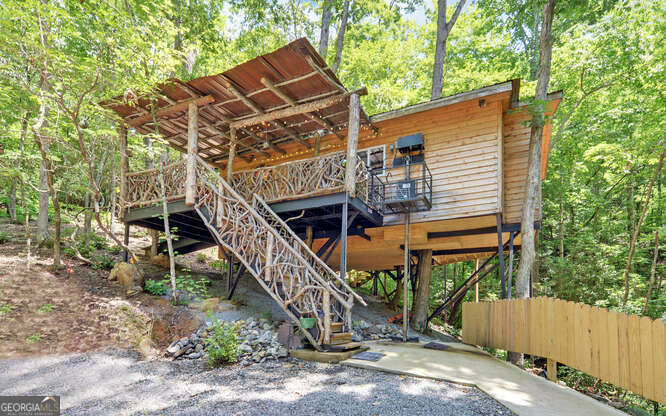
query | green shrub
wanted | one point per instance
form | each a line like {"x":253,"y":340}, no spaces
{"x":202,"y":258}
{"x":5,"y":310}
{"x":5,"y":237}
{"x":220,"y":265}
{"x":223,"y":344}
{"x":115,"y":249}
{"x":36,"y":337}
{"x":103,"y":262}
{"x":157,"y":288}
{"x":197,"y":288}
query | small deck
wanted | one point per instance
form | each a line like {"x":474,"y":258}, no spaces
{"x":304,"y":193}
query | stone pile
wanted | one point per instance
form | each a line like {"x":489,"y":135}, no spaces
{"x":364,"y":331}
{"x":258,"y":342}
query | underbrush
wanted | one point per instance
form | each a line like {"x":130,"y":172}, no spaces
{"x":223,"y":344}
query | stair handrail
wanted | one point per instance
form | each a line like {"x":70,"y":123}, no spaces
{"x":325,"y":284}
{"x":315,"y":259}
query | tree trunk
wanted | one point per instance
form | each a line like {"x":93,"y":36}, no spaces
{"x":421,"y":304}
{"x":637,"y":229}
{"x":652,"y":271}
{"x":443,"y":31}
{"x":48,"y":167}
{"x":326,"y":15}
{"x":87,"y":219}
{"x":167,"y":232}
{"x":528,"y":249}
{"x":397,"y":295}
{"x":341,"y":36}
{"x":150,"y":164}
{"x":43,"y":215}
{"x":12,"y":202}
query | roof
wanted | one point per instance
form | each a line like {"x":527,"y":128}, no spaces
{"x":286,"y":95}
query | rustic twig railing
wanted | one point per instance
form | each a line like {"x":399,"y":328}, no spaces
{"x":282,"y":264}
{"x":301,"y":178}
{"x":143,"y":188}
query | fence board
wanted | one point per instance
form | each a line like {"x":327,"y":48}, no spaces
{"x":628,"y":351}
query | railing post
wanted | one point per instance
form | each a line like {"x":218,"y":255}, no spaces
{"x":269,"y":258}
{"x":352,"y":144}
{"x":192,"y":150}
{"x":232,"y":156}
{"x":124,"y":170}
{"x":326,"y":306}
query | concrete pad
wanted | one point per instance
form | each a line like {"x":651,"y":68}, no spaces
{"x":520,"y":391}
{"x":325,"y":357}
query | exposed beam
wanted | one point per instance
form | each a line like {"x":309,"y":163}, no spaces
{"x":299,"y":109}
{"x":165,"y":111}
{"x":287,"y":99}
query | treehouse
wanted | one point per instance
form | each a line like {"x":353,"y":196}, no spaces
{"x":287,"y":174}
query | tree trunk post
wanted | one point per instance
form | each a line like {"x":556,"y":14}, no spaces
{"x":192,"y":150}
{"x":352,"y":144}
{"x":309,"y":230}
{"x":476,"y":285}
{"x":326,"y":306}
{"x":551,"y":369}
{"x":422,"y":296}
{"x":232,"y":156}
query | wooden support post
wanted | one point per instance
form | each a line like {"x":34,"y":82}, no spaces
{"x":343,"y":239}
{"x":326,"y":306}
{"x":230,"y":272}
{"x":126,"y":242}
{"x":500,"y":254}
{"x":232,"y":155}
{"x":405,"y":282}
{"x":551,"y":369}
{"x":352,"y":144}
{"x":309,"y":230}
{"x":476,"y":285}
{"x":192,"y":151}
{"x":375,"y":277}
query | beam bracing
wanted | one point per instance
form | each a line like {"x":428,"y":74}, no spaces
{"x":500,"y":254}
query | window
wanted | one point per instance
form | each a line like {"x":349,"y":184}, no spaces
{"x":374,"y":158}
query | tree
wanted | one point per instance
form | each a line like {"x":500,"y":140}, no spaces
{"x":340,"y":42}
{"x":326,"y":15}
{"x":443,"y":30}
{"x":533,"y":185}
{"x":422,"y":295}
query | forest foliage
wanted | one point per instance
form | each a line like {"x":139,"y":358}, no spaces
{"x":58,"y":60}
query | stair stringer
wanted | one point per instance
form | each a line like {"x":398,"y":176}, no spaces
{"x":280,"y":261}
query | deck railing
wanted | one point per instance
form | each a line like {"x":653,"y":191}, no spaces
{"x":301,"y":178}
{"x":143,"y":187}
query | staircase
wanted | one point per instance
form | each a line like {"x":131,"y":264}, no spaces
{"x":314,"y":296}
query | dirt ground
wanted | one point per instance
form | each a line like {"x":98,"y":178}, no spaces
{"x":75,"y":308}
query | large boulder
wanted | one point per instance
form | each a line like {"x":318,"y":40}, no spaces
{"x":161,"y":260}
{"x":126,"y":274}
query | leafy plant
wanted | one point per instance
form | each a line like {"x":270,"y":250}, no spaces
{"x":202,"y":258}
{"x":36,"y":337}
{"x":5,"y":237}
{"x":223,"y":344}
{"x":219,"y":265}
{"x":115,"y":249}
{"x":157,"y":288}
{"x":103,"y":262}
{"x":196,"y":288}
{"x":5,"y":310}
{"x":45,"y":308}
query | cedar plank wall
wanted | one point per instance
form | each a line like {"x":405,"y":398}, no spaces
{"x":461,"y":152}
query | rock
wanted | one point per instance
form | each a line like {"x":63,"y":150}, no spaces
{"x":267,"y":327}
{"x":126,"y":274}
{"x":199,"y":348}
{"x":193,"y":356}
{"x":146,"y":348}
{"x":245,"y":348}
{"x":181,"y":351}
{"x":161,"y":260}
{"x":282,"y":352}
{"x":173,"y":348}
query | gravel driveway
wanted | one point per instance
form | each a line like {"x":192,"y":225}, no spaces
{"x":115,"y":382}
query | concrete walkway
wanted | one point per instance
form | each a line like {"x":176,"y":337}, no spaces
{"x":520,"y":391}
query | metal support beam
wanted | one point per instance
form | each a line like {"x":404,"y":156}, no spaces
{"x":239,"y":274}
{"x":126,"y":242}
{"x":405,"y":281}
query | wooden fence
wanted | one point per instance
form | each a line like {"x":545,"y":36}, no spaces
{"x":625,"y":350}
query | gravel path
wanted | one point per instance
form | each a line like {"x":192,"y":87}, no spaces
{"x":115,"y":382}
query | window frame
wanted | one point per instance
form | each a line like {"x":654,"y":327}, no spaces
{"x":369,"y":150}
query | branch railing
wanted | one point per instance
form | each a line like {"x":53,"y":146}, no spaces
{"x":143,"y":188}
{"x":282,"y":263}
{"x":301,"y":178}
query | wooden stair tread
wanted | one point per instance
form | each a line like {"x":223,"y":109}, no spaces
{"x":336,"y":327}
